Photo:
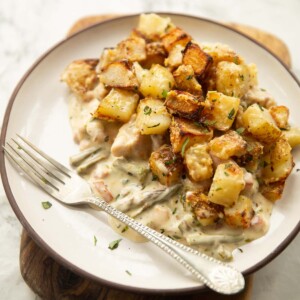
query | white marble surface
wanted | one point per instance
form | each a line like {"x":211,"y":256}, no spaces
{"x":28,"y":28}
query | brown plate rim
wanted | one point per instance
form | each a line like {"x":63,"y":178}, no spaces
{"x":61,"y":259}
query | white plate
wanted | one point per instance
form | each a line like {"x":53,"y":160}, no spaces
{"x":38,"y":110}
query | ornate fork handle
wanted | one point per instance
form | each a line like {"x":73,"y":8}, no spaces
{"x":213,"y":273}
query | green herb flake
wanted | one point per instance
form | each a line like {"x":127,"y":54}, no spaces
{"x":174,"y":211}
{"x":106,"y":139}
{"x":209,"y":123}
{"x":125,"y":229}
{"x":184,"y":146}
{"x":214,"y":100}
{"x":147,"y":110}
{"x":46,"y":204}
{"x":236,"y":60}
{"x":154,"y":178}
{"x":240,"y":130}
{"x":241,"y":250}
{"x":128,"y":273}
{"x":264,"y":164}
{"x":153,"y":125}
{"x":170,"y":162}
{"x":297,"y":170}
{"x":226,"y":173}
{"x":231,"y":114}
{"x":260,"y":107}
{"x":162,"y":230}
{"x":228,"y":166}
{"x":114,"y":244}
{"x":189,"y":77}
{"x":263,"y":90}
{"x":176,"y":237}
{"x":164,"y":93}
{"x":95,"y":240}
{"x":241,"y":77}
{"x":218,"y":189}
{"x":117,"y":197}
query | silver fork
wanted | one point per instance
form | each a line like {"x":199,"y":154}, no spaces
{"x":67,"y":187}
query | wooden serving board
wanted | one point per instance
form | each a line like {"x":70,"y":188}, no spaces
{"x":50,"y":280}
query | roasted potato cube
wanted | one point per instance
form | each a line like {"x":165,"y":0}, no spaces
{"x":240,"y":214}
{"x":155,"y":54}
{"x":228,"y":145}
{"x":80,"y":76}
{"x":260,"y":124}
{"x":118,"y":105}
{"x":221,"y":52}
{"x":206,"y":212}
{"x":139,"y":72}
{"x":227,"y":184}
{"x":278,"y":162}
{"x":132,"y":49}
{"x":152,"y":117}
{"x":259,"y":96}
{"x":292,"y":136}
{"x":174,"y":59}
{"x":185,"y":80}
{"x":198,"y":162}
{"x":272,"y":191}
{"x":119,"y":75}
{"x":184,"y":104}
{"x":198,"y":59}
{"x":176,"y":36}
{"x":108,"y":56}
{"x":157,"y":82}
{"x":153,"y":26}
{"x":232,"y":79}
{"x":280,"y":115}
{"x":185,"y":133}
{"x":166,"y":165}
{"x":220,"y":111}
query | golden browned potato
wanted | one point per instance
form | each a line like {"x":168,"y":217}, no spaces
{"x":185,"y":80}
{"x":280,"y":115}
{"x":185,"y":133}
{"x":152,"y":117}
{"x":157,"y":82}
{"x":228,"y":145}
{"x":220,"y":110}
{"x":206,"y":212}
{"x":81,"y":76}
{"x":198,"y":162}
{"x":198,"y":59}
{"x":119,"y":75}
{"x":292,"y":136}
{"x":153,"y":26}
{"x":132,"y":49}
{"x":278,"y":162}
{"x":166,"y":165}
{"x":118,"y":105}
{"x":232,"y":79}
{"x":272,"y":191}
{"x":241,"y":213}
{"x":184,"y":104}
{"x":155,"y":54}
{"x":221,"y":52}
{"x":174,"y":59}
{"x":260,"y":124}
{"x":175,"y":36}
{"x":227,"y":184}
{"x":108,"y":56}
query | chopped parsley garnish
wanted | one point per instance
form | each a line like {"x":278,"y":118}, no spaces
{"x":218,"y":189}
{"x":263,"y":90}
{"x":236,"y":60}
{"x":241,"y":250}
{"x":240,"y":130}
{"x":174,"y":211}
{"x":231,"y":114}
{"x":184,"y":146}
{"x":241,"y":76}
{"x":147,"y":110}
{"x":189,"y":77}
{"x":226,"y":173}
{"x":95,"y":240}
{"x":125,"y":181}
{"x":46,"y":204}
{"x":297,"y":170}
{"x":228,"y":166}
{"x":164,"y":93}
{"x":125,"y":229}
{"x":117,"y":197}
{"x":128,"y":273}
{"x":162,"y":230}
{"x":114,"y":244}
{"x":106,"y":139}
{"x":260,"y":107}
{"x":170,"y":162}
{"x":214,"y":100}
{"x":153,"y":125}
{"x":209,"y":123}
{"x":264,"y":164}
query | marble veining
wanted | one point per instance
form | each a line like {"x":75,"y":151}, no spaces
{"x":28,"y":28}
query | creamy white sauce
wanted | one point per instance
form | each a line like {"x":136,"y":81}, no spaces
{"x":170,"y":217}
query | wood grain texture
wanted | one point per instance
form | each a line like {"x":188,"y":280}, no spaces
{"x":50,"y":280}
